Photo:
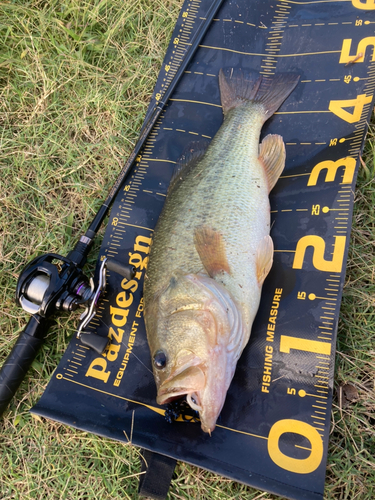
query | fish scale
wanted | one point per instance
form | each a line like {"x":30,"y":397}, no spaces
{"x":221,"y":191}
{"x":211,"y":249}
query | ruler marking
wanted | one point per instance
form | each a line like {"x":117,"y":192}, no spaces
{"x":276,"y":55}
{"x":197,"y":102}
{"x":139,"y":227}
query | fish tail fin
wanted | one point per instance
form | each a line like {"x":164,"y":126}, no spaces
{"x":236,"y":90}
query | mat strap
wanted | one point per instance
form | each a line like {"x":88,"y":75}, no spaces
{"x":157,"y":475}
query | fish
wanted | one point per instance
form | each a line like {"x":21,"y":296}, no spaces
{"x":211,"y":249}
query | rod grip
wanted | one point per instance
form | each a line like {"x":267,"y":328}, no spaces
{"x":20,"y":358}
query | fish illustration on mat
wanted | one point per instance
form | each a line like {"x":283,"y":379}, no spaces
{"x":212,"y":250}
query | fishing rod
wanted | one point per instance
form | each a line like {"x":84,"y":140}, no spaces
{"x":51,"y":283}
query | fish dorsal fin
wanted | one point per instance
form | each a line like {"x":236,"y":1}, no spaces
{"x":211,"y":249}
{"x":192,"y":154}
{"x":264,"y":258}
{"x":272,"y":157}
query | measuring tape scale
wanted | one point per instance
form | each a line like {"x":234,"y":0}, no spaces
{"x":287,"y":368}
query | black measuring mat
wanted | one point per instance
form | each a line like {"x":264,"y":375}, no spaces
{"x":274,"y":428}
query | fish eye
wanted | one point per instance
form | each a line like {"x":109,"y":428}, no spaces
{"x":160,"y":360}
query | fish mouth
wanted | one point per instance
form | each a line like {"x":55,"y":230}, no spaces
{"x":188,"y":381}
{"x":192,"y":380}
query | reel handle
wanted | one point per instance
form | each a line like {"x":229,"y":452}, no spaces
{"x":19,"y":360}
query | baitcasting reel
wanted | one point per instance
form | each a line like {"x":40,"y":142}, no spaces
{"x":44,"y":287}
{"x":51,"y":283}
{"x":48,"y":284}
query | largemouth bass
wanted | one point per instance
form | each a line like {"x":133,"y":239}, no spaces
{"x":212,"y":250}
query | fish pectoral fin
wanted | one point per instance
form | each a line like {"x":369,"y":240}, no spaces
{"x":264,"y":259}
{"x":210,"y":246}
{"x":272,"y":157}
{"x":192,"y":154}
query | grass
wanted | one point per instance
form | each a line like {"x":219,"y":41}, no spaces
{"x":75,"y":81}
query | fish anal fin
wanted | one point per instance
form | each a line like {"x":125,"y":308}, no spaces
{"x":264,"y":259}
{"x":272,"y":157}
{"x":192,"y":154}
{"x":210,"y":246}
